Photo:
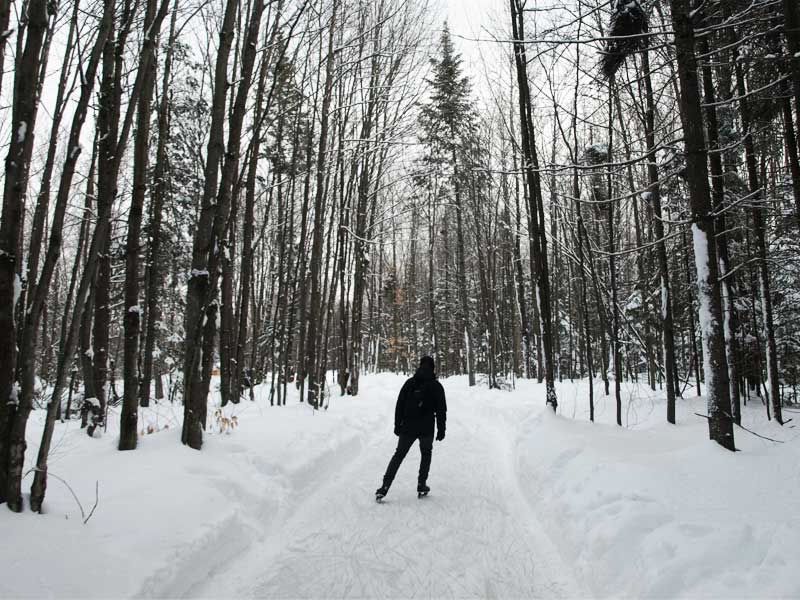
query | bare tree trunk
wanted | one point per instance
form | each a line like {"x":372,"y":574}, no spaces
{"x":25,"y":102}
{"x":85,"y":341}
{"x":525,"y":323}
{"x":640,"y":285}
{"x":220,"y":252}
{"x":101,"y":324}
{"x":314,"y":310}
{"x":531,"y":167}
{"x":792,"y":30}
{"x":694,"y":359}
{"x":580,"y":230}
{"x":716,"y":372}
{"x":198,"y":297}
{"x":654,"y":197}
{"x":22,"y":302}
{"x":153,"y":271}
{"x":234,"y":324}
{"x":108,"y":122}
{"x":612,"y":263}
{"x":43,"y":198}
{"x":412,"y":296}
{"x":773,"y":382}
{"x":792,"y":152}
{"x":433,"y":343}
{"x":132,"y":312}
{"x":289,"y":308}
{"x":245,"y":283}
{"x":718,"y":201}
{"x":5,"y":33}
{"x":461,"y":271}
{"x":302,"y":274}
{"x":99,"y":242}
{"x":509,"y":313}
{"x":360,"y":258}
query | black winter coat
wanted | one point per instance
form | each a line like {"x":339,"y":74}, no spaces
{"x":410,"y":419}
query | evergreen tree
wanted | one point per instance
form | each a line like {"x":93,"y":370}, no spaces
{"x":448,"y":124}
{"x":448,"y":121}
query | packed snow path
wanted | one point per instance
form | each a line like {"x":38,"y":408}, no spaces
{"x":474,"y":536}
{"x":523,"y":504}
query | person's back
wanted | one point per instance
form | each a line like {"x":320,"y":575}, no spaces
{"x":420,"y":404}
{"x":421,"y":399}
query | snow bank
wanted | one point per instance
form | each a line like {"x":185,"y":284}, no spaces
{"x":659,"y":511}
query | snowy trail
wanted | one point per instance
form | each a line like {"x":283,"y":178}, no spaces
{"x":475,"y":536}
{"x":524,"y":504}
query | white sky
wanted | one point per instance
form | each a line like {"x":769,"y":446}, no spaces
{"x":481,"y":19}
{"x":469,"y":18}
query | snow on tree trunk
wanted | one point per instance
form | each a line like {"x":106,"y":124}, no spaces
{"x":712,"y":338}
{"x":720,"y":422}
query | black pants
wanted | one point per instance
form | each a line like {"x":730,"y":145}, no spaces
{"x":403,"y":446}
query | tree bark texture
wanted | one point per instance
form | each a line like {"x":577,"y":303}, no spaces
{"x":720,"y":421}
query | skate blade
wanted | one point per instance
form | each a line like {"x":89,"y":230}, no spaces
{"x":422,"y":494}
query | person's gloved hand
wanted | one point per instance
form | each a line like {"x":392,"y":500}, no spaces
{"x":397,"y":431}
{"x":440,"y":435}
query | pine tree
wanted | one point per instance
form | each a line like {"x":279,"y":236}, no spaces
{"x":448,"y":124}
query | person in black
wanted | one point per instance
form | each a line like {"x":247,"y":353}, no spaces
{"x":420,"y":403}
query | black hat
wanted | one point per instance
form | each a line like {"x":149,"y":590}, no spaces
{"x":427,"y":361}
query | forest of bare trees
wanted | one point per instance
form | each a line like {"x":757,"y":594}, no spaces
{"x":211,"y":195}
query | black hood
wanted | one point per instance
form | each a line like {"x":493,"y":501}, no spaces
{"x":424,"y":374}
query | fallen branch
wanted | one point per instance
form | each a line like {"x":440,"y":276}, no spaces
{"x":96,"y":501}
{"x":746,"y":429}
{"x":75,"y":496}
{"x":71,"y":491}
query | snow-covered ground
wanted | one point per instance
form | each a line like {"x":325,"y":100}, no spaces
{"x":523,"y":504}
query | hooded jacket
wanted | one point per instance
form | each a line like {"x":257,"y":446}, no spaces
{"x":419,"y":421}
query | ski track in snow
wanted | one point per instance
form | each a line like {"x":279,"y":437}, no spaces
{"x":474,"y":536}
